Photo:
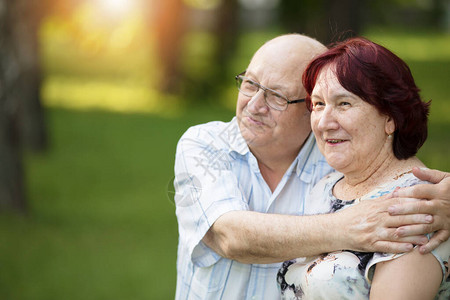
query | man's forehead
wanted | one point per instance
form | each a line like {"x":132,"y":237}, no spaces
{"x":279,"y":59}
{"x":276,"y":61}
{"x":292,"y":45}
{"x":277,"y":66}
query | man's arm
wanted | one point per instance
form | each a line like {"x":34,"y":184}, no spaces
{"x":437,"y":204}
{"x":251,"y":237}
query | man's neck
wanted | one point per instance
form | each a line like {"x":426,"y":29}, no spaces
{"x":274,"y":166}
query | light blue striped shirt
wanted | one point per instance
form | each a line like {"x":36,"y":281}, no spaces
{"x":216,"y":173}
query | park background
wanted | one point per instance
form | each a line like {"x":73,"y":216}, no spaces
{"x":95,"y":94}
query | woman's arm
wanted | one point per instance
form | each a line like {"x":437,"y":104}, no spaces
{"x":411,"y":276}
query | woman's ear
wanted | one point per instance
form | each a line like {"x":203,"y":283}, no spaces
{"x":389,"y":126}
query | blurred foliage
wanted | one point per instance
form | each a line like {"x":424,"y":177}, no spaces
{"x":106,"y":63}
{"x":428,"y":56}
{"x":408,"y":14}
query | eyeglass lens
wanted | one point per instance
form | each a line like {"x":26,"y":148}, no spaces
{"x":250,"y":88}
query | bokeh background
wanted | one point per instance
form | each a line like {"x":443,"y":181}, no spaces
{"x":95,"y":94}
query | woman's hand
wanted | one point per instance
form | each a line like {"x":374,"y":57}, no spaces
{"x":437,"y":204}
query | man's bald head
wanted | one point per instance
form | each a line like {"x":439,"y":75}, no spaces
{"x":291,"y":51}
{"x":294,"y":41}
{"x":287,"y":54}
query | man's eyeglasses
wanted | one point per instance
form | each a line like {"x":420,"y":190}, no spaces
{"x":273,"y":99}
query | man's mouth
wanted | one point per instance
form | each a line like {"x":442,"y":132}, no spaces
{"x":255,"y":121}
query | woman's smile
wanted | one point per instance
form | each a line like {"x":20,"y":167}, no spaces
{"x":334,"y":142}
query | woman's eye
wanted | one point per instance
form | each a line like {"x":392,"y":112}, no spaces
{"x":318,"y":105}
{"x":344,"y":103}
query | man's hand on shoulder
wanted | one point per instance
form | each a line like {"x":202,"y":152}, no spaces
{"x":436,"y":202}
{"x":368,"y":227}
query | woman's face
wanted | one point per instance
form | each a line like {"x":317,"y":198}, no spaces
{"x":350,"y":133}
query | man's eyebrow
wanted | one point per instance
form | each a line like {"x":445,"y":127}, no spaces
{"x":276,"y":87}
{"x":279,"y":88}
{"x":248,"y":73}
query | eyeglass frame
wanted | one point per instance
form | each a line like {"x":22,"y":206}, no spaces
{"x":260,"y":86}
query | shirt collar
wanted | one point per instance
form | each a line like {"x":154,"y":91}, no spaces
{"x":305,"y":153}
{"x":239,"y":145}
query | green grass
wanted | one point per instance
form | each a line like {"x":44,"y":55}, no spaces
{"x":101,"y":224}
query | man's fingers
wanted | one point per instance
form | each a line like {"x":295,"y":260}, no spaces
{"x":407,"y":244}
{"x":372,"y":224}
{"x":418,"y":191}
{"x":406,"y":206}
{"x":427,"y":191}
{"x":392,"y":247}
{"x":396,"y":221}
{"x":413,"y":230}
{"x":415,"y":240}
{"x":433,"y":176}
{"x":438,"y":238}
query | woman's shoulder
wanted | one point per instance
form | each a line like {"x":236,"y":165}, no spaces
{"x":320,"y":199}
{"x":406,"y":179}
{"x":401,"y":180}
{"x":326,"y":183}
{"x":331,"y":178}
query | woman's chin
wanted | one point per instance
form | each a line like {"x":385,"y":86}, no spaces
{"x":338,"y":164}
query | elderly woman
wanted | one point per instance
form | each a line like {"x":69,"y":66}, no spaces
{"x":369,"y":123}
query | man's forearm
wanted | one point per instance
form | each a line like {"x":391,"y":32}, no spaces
{"x":251,"y":237}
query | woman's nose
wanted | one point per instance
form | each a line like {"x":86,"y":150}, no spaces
{"x":328,"y":120}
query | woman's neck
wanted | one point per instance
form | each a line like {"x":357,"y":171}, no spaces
{"x":358,"y":183}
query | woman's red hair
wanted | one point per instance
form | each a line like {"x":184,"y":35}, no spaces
{"x":382,"y":79}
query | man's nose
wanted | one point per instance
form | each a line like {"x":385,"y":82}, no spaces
{"x":257,"y":103}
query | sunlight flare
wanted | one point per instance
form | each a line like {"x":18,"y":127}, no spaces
{"x":117,"y":7}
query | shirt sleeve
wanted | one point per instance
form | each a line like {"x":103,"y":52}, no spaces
{"x":441,"y":253}
{"x":205,"y":189}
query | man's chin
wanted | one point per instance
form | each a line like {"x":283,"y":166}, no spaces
{"x":253,"y":138}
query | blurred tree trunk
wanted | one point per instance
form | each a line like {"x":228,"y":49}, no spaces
{"x":170,"y":27}
{"x":11,"y":178}
{"x":325,"y":20}
{"x":344,"y":19}
{"x":21,"y":116}
{"x":440,"y":14}
{"x":227,"y":34}
{"x":27,"y":17}
{"x":304,"y":16}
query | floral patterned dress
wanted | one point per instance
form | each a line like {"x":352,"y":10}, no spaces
{"x":345,"y":274}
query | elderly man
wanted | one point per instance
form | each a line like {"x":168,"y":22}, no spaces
{"x":240,"y":188}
